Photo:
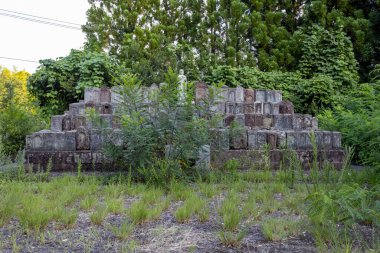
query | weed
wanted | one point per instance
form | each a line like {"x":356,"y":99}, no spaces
{"x":115,"y":205}
{"x":276,"y":229}
{"x":183,"y":213}
{"x":123,"y":231}
{"x":232,"y":239}
{"x":180,"y":191}
{"x":97,"y":217}
{"x":139,"y":212}
{"x":69,"y":218}
{"x":88,"y":202}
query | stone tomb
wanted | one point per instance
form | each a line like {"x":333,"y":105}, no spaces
{"x":269,"y":127}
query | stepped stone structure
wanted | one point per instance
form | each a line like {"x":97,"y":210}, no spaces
{"x":270,"y":128}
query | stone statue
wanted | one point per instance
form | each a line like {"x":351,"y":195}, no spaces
{"x":182,"y":87}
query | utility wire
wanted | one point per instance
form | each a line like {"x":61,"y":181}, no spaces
{"x":16,"y":59}
{"x":40,"y":21}
{"x":24,"y":14}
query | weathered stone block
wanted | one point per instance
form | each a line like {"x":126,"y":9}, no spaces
{"x":47,"y":140}
{"x":275,"y":108}
{"x":228,"y":119}
{"x":336,"y":140}
{"x":254,"y":121}
{"x":77,"y":109}
{"x":249,"y":108}
{"x":79,"y":121}
{"x":92,"y":95}
{"x":239,"y":108}
{"x":267,"y":108}
{"x":302,"y":122}
{"x":116,"y":95}
{"x":273,"y":96}
{"x":219,"y":139}
{"x":204,"y":157}
{"x":272,"y":138}
{"x":259,"y":107}
{"x":261,"y":96}
{"x":105,"y":95}
{"x":106,"y":108}
{"x":201,"y":91}
{"x":67,"y":123}
{"x":286,"y":107}
{"x":283,"y":121}
{"x":56,"y":123}
{"x":249,"y":96}
{"x":281,"y":139}
{"x":268,"y":121}
{"x":240,"y":119}
{"x":230,"y":107}
{"x":239,"y":94}
{"x":82,"y":139}
{"x":257,"y":139}
{"x":239,"y":140}
{"x":231,"y":95}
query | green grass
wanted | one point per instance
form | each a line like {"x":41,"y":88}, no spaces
{"x":277,"y":229}
{"x":124,"y":231}
{"x":97,"y":217}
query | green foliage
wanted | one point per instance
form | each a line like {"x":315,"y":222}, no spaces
{"x":59,"y":82}
{"x":329,"y":53}
{"x":358,"y":118}
{"x":163,"y":139}
{"x":15,"y":123}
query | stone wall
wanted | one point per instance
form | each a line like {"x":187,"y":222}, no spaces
{"x":270,"y":127}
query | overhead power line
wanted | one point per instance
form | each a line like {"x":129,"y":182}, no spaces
{"x":39,"y":17}
{"x":16,"y":59}
{"x":41,"y":21}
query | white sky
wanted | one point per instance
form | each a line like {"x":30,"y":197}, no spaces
{"x":34,"y":41}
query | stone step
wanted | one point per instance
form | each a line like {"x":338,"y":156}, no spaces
{"x":224,"y":139}
{"x":69,"y":122}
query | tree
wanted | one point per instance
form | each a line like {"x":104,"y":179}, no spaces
{"x":59,"y":82}
{"x":329,"y":53}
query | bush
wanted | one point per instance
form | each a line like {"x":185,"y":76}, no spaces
{"x":358,"y":118}
{"x":165,"y":134}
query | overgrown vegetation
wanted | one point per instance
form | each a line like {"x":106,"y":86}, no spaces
{"x":339,"y":211}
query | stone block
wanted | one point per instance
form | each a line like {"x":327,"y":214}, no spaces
{"x":105,"y":95}
{"x":106,"y":108}
{"x":272,"y":139}
{"x":201,"y":91}
{"x":79,"y":121}
{"x":82,"y":139}
{"x":249,"y":96}
{"x":116,"y":95}
{"x":240,"y":119}
{"x":267,"y":121}
{"x":231,"y":95}
{"x":219,"y":139}
{"x":52,"y":141}
{"x":249,"y":108}
{"x":56,"y":123}
{"x":239,"y":94}
{"x":257,"y":139}
{"x":275,"y":108}
{"x":239,"y":108}
{"x":230,"y":107}
{"x":267,"y":108}
{"x":286,"y":107}
{"x":96,"y":139}
{"x":67,"y":123}
{"x":336,"y":140}
{"x":302,"y":122}
{"x":273,"y":96}
{"x":77,"y":109}
{"x":239,"y":140}
{"x":260,"y":96}
{"x":259,"y":107}
{"x":283,"y":121}
{"x":92,"y":95}
{"x":281,"y":139}
{"x":254,"y":121}
{"x":314,"y":123}
{"x":228,"y":119}
{"x":299,"y":140}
